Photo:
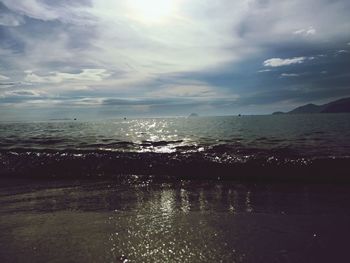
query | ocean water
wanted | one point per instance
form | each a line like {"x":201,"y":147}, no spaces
{"x":250,"y":146}
{"x":206,"y":189}
{"x":308,"y":134}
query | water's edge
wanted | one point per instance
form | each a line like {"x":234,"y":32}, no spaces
{"x":173,"y":166}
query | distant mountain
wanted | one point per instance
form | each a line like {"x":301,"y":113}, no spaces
{"x":342,"y":105}
{"x":278,"y":113}
{"x":338,"y":106}
{"x":308,"y":108}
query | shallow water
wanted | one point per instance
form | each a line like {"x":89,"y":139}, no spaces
{"x":188,"y":221}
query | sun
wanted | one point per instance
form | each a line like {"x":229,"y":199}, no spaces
{"x":151,"y":11}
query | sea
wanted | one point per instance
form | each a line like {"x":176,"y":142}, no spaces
{"x":237,"y":147}
{"x":270,"y":188}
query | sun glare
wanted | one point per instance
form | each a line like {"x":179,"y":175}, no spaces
{"x":151,"y":11}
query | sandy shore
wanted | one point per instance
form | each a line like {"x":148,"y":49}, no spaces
{"x":189,"y":221}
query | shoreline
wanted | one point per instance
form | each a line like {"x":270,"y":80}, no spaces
{"x":173,"y":167}
{"x":189,"y":221}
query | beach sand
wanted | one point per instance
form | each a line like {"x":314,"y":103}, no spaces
{"x":188,"y":221}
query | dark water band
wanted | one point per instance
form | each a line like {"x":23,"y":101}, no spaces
{"x":174,"y":166}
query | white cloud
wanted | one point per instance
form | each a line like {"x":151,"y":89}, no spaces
{"x":305,"y":32}
{"x":87,"y":102}
{"x":2,"y":77}
{"x":289,"y":75}
{"x":25,"y":93}
{"x":22,"y":93}
{"x":264,"y":70}
{"x":68,"y":13}
{"x":31,"y":8}
{"x":183,"y":90}
{"x":278,"y":62}
{"x":59,"y":77}
{"x":342,"y":51}
{"x":183,"y":41}
{"x":10,"y":20}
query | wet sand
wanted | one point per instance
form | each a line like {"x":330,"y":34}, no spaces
{"x":188,"y":221}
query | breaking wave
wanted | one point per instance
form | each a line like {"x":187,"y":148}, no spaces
{"x":209,"y":164}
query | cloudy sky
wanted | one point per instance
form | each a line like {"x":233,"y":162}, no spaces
{"x":112,"y":58}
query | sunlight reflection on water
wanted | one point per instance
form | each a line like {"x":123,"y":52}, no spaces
{"x":307,"y":134}
{"x":173,"y":222}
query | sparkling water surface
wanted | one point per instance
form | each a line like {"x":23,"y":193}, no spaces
{"x":48,"y":213}
{"x":307,"y":134}
{"x":173,"y":222}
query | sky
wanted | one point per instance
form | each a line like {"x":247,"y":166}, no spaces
{"x":94,"y":59}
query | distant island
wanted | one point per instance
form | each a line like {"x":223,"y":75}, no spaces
{"x":338,"y":106}
{"x":193,"y":115}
